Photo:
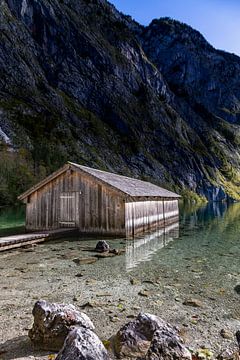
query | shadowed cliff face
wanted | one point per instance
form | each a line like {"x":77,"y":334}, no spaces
{"x":82,"y":82}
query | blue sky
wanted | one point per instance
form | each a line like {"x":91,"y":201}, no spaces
{"x":217,"y":20}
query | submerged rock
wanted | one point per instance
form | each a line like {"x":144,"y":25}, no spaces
{"x":228,"y":355}
{"x":238,"y":338}
{"x":134,"y":281}
{"x":104,"y":255}
{"x":83,"y":344}
{"x":237,"y":289}
{"x":193,"y":302}
{"x":102,"y":246}
{"x":134,"y":338}
{"x":53,"y":322}
{"x":79,"y":275}
{"x":144,"y":293}
{"x":117,"y":251}
{"x":83,"y":261}
{"x":226,"y":334}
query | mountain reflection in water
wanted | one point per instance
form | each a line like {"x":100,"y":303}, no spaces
{"x":212,"y":224}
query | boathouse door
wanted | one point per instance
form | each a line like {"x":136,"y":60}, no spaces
{"x":69,"y":209}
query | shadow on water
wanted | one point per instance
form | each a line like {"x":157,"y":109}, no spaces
{"x":12,"y":220}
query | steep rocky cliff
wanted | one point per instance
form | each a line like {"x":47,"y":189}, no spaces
{"x":82,"y":82}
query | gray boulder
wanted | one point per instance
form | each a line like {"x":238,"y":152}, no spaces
{"x":167,"y":346}
{"x":83,"y":344}
{"x":53,"y":322}
{"x":102,"y":246}
{"x":134,"y":339}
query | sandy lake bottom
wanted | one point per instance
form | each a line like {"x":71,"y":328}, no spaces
{"x":198,"y":259}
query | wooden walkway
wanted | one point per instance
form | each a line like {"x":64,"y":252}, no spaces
{"x":16,"y":241}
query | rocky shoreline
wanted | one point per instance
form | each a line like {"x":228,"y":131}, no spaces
{"x":64,"y":330}
{"x":207,"y":323}
{"x":61,"y":327}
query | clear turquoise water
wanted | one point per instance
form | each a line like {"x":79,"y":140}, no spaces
{"x":12,"y":220}
{"x":204,"y":247}
{"x":197,"y":258}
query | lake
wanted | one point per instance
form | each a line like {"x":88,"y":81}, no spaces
{"x":199,"y":258}
{"x":12,"y":220}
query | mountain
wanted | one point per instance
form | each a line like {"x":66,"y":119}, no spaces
{"x":80,"y":81}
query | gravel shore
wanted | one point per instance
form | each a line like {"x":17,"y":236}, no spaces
{"x":111,"y":294}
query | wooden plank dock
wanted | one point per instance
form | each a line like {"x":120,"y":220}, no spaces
{"x":16,"y":241}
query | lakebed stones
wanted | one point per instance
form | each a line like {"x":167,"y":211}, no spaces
{"x":226,"y":334}
{"x":237,"y":289}
{"x":238,"y":338}
{"x":53,"y":322}
{"x":193,"y":302}
{"x":146,"y":337}
{"x":228,"y":355}
{"x":83,"y":261}
{"x":103,"y":255}
{"x":134,"y":281}
{"x":79,"y":275}
{"x":144,"y":293}
{"x":83,"y":344}
{"x":103,"y":251}
{"x":102,"y":246}
{"x":117,"y":251}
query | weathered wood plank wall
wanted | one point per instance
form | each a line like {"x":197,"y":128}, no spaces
{"x":76,"y":200}
{"x":142,"y":216}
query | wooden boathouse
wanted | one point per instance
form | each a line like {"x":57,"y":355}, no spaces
{"x":98,"y":202}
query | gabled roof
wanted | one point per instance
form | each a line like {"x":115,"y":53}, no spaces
{"x":126,"y":185}
{"x":130,"y":186}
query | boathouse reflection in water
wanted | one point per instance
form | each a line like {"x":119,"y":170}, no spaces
{"x":143,"y":248}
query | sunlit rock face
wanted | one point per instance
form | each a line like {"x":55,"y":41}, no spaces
{"x":148,"y":337}
{"x":53,"y":322}
{"x":83,"y":344}
{"x":81,"y":81}
{"x":206,"y":79}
